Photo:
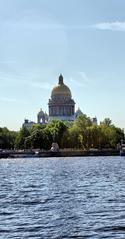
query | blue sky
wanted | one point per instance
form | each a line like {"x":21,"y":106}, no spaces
{"x":82,"y":39}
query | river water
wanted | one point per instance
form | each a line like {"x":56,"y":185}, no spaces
{"x":62,"y":198}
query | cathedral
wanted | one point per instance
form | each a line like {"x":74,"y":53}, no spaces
{"x":61,"y":106}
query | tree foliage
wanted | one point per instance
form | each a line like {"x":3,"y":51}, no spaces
{"x":81,"y":134}
{"x":7,"y":138}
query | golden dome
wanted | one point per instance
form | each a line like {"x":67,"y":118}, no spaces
{"x":61,"y":89}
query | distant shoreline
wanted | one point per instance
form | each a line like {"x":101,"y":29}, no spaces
{"x":61,"y":153}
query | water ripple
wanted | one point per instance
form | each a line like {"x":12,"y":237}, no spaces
{"x":62,"y":198}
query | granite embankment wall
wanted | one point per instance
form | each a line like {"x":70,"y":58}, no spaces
{"x":61,"y":153}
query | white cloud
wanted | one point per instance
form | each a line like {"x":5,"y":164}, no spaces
{"x":10,"y":100}
{"x":80,"y":80}
{"x":44,"y":26}
{"x":76,"y":82}
{"x":33,"y":25}
{"x":85,"y":78}
{"x":41,"y":85}
{"x":112,"y":26}
{"x":10,"y":81}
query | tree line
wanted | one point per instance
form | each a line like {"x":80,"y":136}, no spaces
{"x":80,"y":134}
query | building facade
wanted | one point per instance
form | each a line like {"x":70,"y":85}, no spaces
{"x":61,"y":105}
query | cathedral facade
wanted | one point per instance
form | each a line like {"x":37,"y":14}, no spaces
{"x":61,"y":106}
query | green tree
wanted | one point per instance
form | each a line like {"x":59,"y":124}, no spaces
{"x":57,"y":129}
{"x":83,"y":121}
{"x":21,"y":136}
{"x":106,"y":122}
{"x":7,"y":138}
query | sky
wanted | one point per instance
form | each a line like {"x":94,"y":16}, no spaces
{"x":82,"y":39}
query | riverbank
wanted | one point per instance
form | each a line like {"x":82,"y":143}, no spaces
{"x":61,"y":153}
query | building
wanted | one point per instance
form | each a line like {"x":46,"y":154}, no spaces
{"x":28,"y":124}
{"x":42,"y":117}
{"x":61,"y":106}
{"x":78,"y":113}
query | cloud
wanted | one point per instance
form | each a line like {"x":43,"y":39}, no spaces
{"x":111,"y":26}
{"x":43,"y":26}
{"x":10,"y":81}
{"x":35,"y":20}
{"x":33,"y":25}
{"x":76,"y":82}
{"x":10,"y":100}
{"x":80,"y":80}
{"x":85,"y":78}
{"x":41,"y":85}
